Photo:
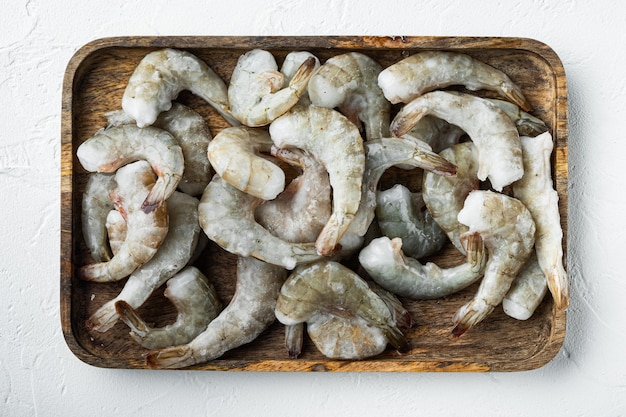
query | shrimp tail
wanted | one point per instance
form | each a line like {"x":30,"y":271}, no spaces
{"x":294,"y":338}
{"x":436,"y":164}
{"x":170,"y":357}
{"x":129,"y":316}
{"x":469,"y":315}
{"x":301,"y":77}
{"x":157,"y":195}
{"x":514,"y":93}
{"x":475,"y":248}
{"x":559,"y":287}
{"x":103,"y":319}
{"x":403,"y":123}
{"x":397,"y":339}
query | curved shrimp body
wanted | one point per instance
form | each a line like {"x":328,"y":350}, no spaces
{"x":536,"y":191}
{"x":145,"y":231}
{"x":430,"y":70}
{"x":348,"y":82}
{"x":256,"y":92}
{"x":235,"y":155}
{"x":338,"y":146}
{"x":116,"y":230}
{"x":227,"y":217}
{"x":435,"y":132}
{"x":293,"y":61}
{"x":444,"y":196}
{"x":385,"y":262}
{"x":491,"y":130}
{"x":176,"y":251}
{"x":402,"y":214}
{"x":95,"y":208}
{"x":249,"y":313}
{"x":508,"y":231}
{"x":527,"y":291}
{"x":162,"y":75}
{"x":340,"y":308}
{"x":113,"y":147}
{"x":196,"y":301}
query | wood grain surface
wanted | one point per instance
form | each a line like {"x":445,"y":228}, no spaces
{"x":94,"y":82}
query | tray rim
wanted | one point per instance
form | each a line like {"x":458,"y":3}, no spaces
{"x":463,"y":43}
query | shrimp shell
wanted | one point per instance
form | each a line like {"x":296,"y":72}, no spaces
{"x":527,"y":291}
{"x":235,"y":156}
{"x":116,"y":230}
{"x":491,"y":130}
{"x":161,"y":75}
{"x":95,"y":208}
{"x":429,"y":70}
{"x":293,"y":61}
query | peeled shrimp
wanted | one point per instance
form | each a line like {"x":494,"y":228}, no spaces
{"x":116,"y":146}
{"x":227,"y":217}
{"x":385,"y":262}
{"x":536,"y":191}
{"x":491,"y":130}
{"x":95,"y":207}
{"x":527,"y":291}
{"x":444,"y":196}
{"x":161,"y":75}
{"x":195,"y":300}
{"x":338,"y":146}
{"x":235,"y":156}
{"x":508,"y":231}
{"x":348,"y":82}
{"x":249,"y":313}
{"x":290,"y":67}
{"x":430,"y":70}
{"x":256,"y":92}
{"x":145,"y":231}
{"x":402,"y":214}
{"x":345,"y":318}
{"x":176,"y":251}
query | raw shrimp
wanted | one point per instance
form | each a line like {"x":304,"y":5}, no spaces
{"x":161,"y":75}
{"x":526,"y":123}
{"x":235,"y":156}
{"x":145,"y":231}
{"x":402,"y":214}
{"x":195,"y":300}
{"x":437,"y":133}
{"x":508,"y":231}
{"x":338,"y":146}
{"x":193,"y":136}
{"x":256,"y":92}
{"x":96,"y":205}
{"x":249,"y":313}
{"x":345,"y":318}
{"x":348,"y":82}
{"x":491,"y":130}
{"x":536,"y":191}
{"x":385,"y":262}
{"x":290,"y":67}
{"x":227,"y":217}
{"x":430,"y":70}
{"x":116,"y":230}
{"x":444,"y":196}
{"x":113,"y":147}
{"x":527,"y":291}
{"x":176,"y":251}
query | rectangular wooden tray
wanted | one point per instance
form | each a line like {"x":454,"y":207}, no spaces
{"x":94,"y":83}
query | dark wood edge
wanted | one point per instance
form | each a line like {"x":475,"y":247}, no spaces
{"x":73,"y":73}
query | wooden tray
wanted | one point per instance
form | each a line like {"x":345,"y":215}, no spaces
{"x":94,"y":83}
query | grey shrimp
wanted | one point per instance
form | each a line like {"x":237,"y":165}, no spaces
{"x":162,"y":75}
{"x":429,"y":70}
{"x":508,"y":231}
{"x":95,"y":208}
{"x":196,"y":302}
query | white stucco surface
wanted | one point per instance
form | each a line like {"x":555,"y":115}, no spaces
{"x":39,"y":375}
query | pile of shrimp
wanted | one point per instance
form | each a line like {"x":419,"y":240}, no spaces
{"x":328,"y":252}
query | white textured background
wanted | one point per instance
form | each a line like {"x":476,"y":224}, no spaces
{"x":39,"y":376}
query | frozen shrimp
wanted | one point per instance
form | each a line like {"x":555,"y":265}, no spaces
{"x":162,"y":75}
{"x":444,"y":196}
{"x":178,"y":247}
{"x":492,"y":131}
{"x":430,"y":70}
{"x":345,"y":318}
{"x":247,"y":315}
{"x":235,"y":154}
{"x":537,"y":192}
{"x":116,"y":230}
{"x":437,"y":133}
{"x":385,"y":262}
{"x":526,"y":123}
{"x":196,"y":302}
{"x":508,"y":231}
{"x":256,"y":92}
{"x":527,"y":291}
{"x":290,"y":67}
{"x":227,"y":217}
{"x":145,"y":231}
{"x":336,"y":143}
{"x":348,"y":82}
{"x":401,"y":213}
{"x":95,"y":207}
{"x":113,"y":147}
